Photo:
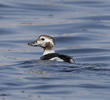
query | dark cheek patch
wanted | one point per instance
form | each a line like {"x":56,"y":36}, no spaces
{"x":49,"y":45}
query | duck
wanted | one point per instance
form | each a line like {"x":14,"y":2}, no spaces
{"x":48,"y":44}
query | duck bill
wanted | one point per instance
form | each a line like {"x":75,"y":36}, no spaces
{"x":33,"y":43}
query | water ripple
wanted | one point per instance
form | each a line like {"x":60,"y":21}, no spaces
{"x":81,"y":30}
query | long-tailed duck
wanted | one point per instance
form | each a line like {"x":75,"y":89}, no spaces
{"x":48,"y":44}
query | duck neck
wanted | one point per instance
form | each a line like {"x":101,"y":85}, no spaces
{"x":47,"y":51}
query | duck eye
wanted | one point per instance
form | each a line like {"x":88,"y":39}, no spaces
{"x":42,"y":39}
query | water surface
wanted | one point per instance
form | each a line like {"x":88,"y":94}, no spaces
{"x":81,"y":29}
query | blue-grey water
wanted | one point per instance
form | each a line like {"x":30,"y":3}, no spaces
{"x":81,"y":29}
